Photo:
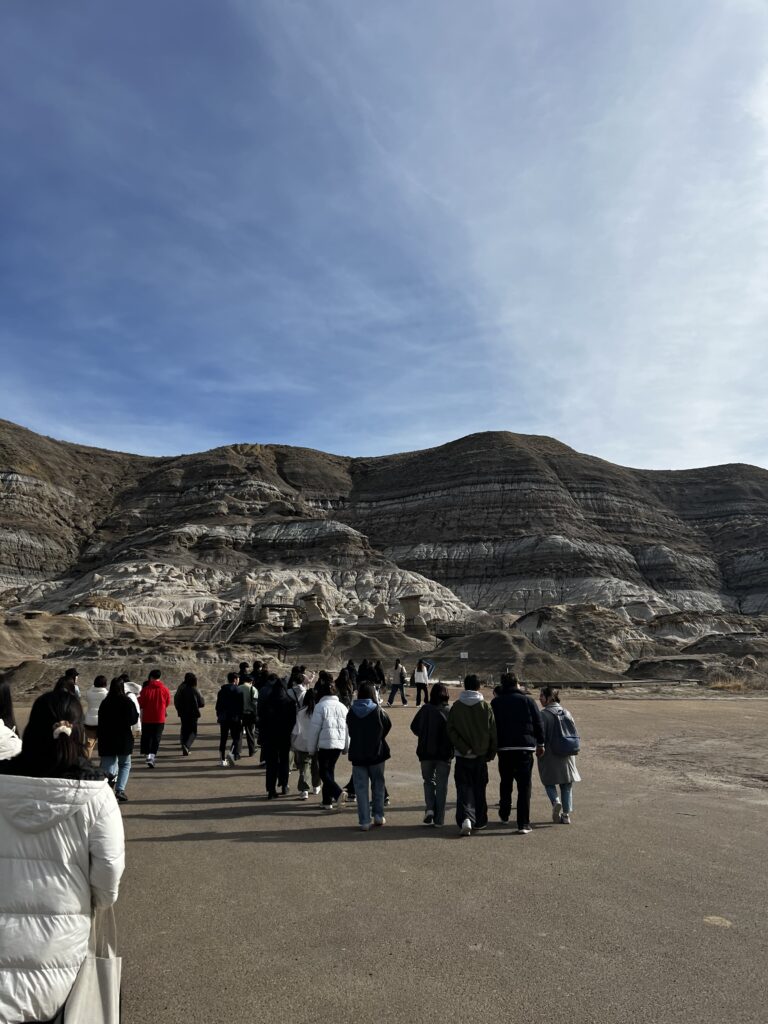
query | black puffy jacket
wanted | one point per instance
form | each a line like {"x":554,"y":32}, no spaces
{"x":518,"y":722}
{"x":429,"y":725}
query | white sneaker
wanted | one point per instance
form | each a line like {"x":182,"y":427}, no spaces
{"x":343,"y":797}
{"x":328,"y":807}
{"x":378,"y":822}
{"x":565,"y":819}
{"x":230,"y":759}
{"x":466,"y":827}
{"x":225,"y":763}
{"x":316,"y":789}
{"x":304,"y":795}
{"x":557,"y":810}
{"x":524,"y":830}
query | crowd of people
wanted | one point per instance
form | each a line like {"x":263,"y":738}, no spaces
{"x":59,"y":811}
{"x":304,"y":722}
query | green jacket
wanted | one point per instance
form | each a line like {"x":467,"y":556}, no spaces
{"x":472,"y":726}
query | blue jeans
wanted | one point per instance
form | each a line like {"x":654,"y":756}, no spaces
{"x":366,"y":776}
{"x":119,"y":765}
{"x":435,"y":775}
{"x":566,"y":796}
{"x":393,"y":691}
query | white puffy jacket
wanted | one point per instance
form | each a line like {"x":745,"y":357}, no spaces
{"x":94,"y":698}
{"x":300,"y":734}
{"x":10,"y":743}
{"x":62,"y":851}
{"x":328,"y":726}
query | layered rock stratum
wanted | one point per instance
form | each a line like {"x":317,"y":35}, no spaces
{"x":485,"y":529}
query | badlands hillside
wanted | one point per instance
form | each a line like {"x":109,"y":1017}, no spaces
{"x":250,"y":548}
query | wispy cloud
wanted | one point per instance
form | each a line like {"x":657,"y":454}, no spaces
{"x":367,"y":228}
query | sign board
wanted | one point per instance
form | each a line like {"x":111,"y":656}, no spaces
{"x":464,"y":655}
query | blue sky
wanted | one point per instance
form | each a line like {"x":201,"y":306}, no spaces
{"x":373,"y":227}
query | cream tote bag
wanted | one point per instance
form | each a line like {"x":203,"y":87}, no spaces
{"x":95,"y":995}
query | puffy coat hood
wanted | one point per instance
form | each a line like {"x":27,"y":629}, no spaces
{"x":470,"y":697}
{"x":34,"y":805}
{"x":364,"y":707}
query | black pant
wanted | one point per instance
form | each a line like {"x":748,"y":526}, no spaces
{"x":188,"y":731}
{"x":471,"y":776}
{"x":419,"y":688}
{"x":515,"y":766}
{"x":249,"y":728}
{"x":277,"y":753}
{"x":150,"y":736}
{"x":393,"y":691}
{"x":227,"y":729}
{"x":326,"y":762}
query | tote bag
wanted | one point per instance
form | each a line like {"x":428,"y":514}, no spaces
{"x":95,"y":995}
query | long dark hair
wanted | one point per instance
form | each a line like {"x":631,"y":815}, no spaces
{"x":6,"y":704}
{"x":66,"y":684}
{"x":325,"y":685}
{"x":438,"y":694}
{"x":43,"y":754}
{"x":309,"y":701}
{"x":116,"y":688}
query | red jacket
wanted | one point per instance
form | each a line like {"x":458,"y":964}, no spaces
{"x":153,"y":701}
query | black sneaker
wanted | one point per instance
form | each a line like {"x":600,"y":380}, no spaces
{"x":185,"y":750}
{"x":120,"y":796}
{"x":429,"y":818}
{"x":479,"y":828}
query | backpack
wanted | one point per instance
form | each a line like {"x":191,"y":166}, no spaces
{"x":565,"y":740}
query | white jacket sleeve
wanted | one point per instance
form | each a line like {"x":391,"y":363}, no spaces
{"x":106,"y":847}
{"x":313,"y":729}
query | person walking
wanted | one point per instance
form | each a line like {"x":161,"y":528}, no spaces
{"x":557,"y":767}
{"x":379,"y":680}
{"x":94,"y":695}
{"x":520,"y":735}
{"x":399,"y":679}
{"x":250,"y":699}
{"x":328,"y":737}
{"x":435,"y":753}
{"x":472,"y":731}
{"x":368,"y":726}
{"x":188,"y":702}
{"x":345,"y":688}
{"x":62,"y":854}
{"x":305,"y":760}
{"x":420,"y":679}
{"x":69,"y":682}
{"x":117,"y":716}
{"x":229,"y":715}
{"x":277,"y":717}
{"x":154,"y":699}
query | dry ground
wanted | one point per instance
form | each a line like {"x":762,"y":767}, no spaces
{"x":651,"y":907}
